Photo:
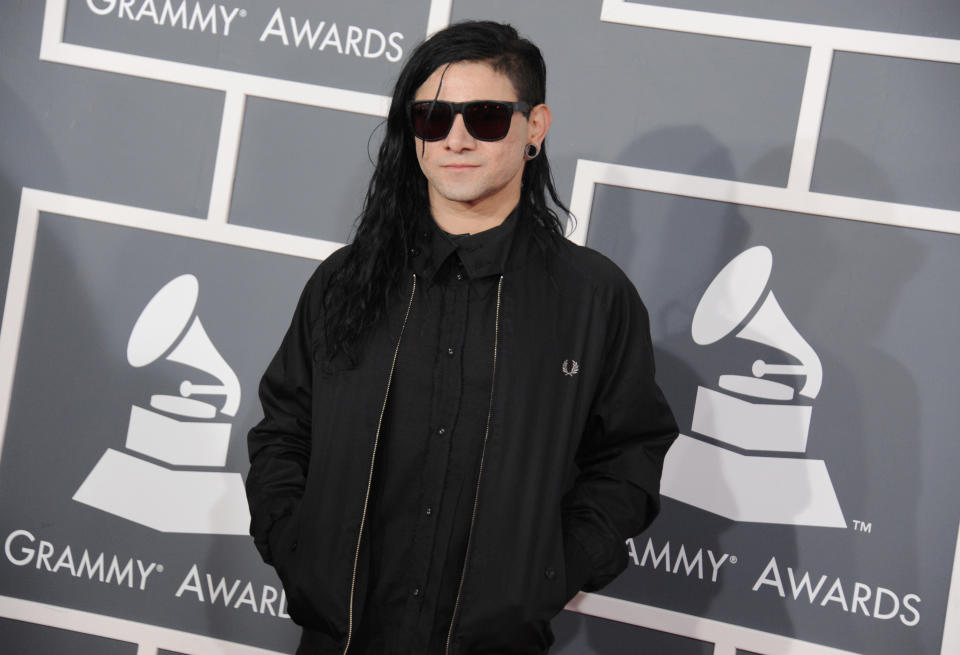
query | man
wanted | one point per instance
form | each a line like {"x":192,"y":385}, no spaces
{"x":461,"y":425}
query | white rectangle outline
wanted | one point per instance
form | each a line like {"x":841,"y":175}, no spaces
{"x":591,"y":173}
{"x":32,"y":202}
{"x":823,"y":41}
{"x":588,"y":174}
{"x":236,"y":87}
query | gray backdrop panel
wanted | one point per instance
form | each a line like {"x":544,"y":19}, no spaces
{"x":862,"y":296}
{"x":90,"y":282}
{"x":21,"y":638}
{"x":895,"y":115}
{"x":287,"y":152}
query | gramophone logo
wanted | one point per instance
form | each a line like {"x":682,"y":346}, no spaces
{"x":178,"y":430}
{"x":774,"y":483}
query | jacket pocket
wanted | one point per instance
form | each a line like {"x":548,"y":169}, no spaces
{"x":578,"y":566}
{"x":284,"y":543}
{"x":553,"y":578}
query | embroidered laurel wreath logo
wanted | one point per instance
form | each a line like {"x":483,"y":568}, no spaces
{"x":570,"y":367}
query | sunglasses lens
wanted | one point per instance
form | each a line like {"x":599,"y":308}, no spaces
{"x":488,"y":121}
{"x":431,"y":120}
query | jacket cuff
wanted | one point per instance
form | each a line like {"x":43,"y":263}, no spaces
{"x":579,"y":566}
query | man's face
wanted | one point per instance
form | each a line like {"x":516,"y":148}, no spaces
{"x":463,"y":172}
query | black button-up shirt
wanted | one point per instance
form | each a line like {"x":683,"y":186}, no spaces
{"x":425,"y":476}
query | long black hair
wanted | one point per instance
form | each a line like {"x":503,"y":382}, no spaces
{"x":396,"y":206}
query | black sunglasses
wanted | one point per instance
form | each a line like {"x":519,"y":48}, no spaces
{"x":486,"y":120}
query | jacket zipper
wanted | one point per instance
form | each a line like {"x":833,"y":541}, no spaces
{"x":373,"y":456}
{"x":476,"y":494}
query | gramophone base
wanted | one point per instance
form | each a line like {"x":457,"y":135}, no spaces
{"x":202,"y":502}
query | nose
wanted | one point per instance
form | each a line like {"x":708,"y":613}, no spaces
{"x":459,"y":139}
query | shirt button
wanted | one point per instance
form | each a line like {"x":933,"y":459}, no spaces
{"x":441,"y":431}
{"x":416,"y":592}
{"x":428,"y":511}
{"x":549,"y":573}
{"x":450,"y":351}
{"x":459,"y":276}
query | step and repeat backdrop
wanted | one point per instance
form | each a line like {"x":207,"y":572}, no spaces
{"x":778,"y":179}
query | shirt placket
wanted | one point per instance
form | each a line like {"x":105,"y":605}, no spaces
{"x":435,"y":519}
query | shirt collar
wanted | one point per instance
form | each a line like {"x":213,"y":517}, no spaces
{"x":482,"y":254}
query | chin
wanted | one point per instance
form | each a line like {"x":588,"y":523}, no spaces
{"x":470,"y":191}
{"x":461,"y":194}
{"x":465,"y":198}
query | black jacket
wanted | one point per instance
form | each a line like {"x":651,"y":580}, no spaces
{"x":571,"y":467}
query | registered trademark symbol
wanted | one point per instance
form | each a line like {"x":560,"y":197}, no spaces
{"x":243,"y":13}
{"x":159,"y":568}
{"x":733,"y":559}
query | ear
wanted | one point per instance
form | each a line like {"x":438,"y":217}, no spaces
{"x":538,"y":124}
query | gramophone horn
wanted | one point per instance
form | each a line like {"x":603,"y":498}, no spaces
{"x":163,"y":324}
